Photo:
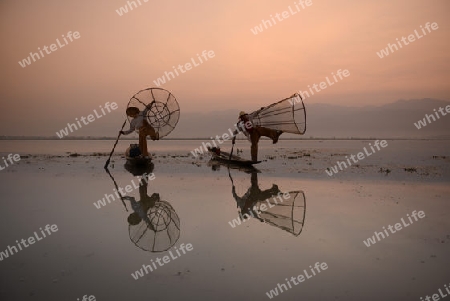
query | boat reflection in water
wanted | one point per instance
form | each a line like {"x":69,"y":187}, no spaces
{"x":216,"y":165}
{"x":153,"y":226}
{"x":139,"y":169}
{"x":285,"y":211}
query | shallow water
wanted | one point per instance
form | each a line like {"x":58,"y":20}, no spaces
{"x":422,"y":160}
{"x":60,"y":147}
{"x":92,"y":253}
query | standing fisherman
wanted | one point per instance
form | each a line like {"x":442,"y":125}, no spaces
{"x":254,"y":133}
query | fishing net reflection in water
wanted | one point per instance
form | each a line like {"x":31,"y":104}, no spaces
{"x":288,"y":214}
{"x":159,"y":231}
{"x":286,"y":211}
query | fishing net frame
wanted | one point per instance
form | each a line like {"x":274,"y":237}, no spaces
{"x":163,"y":221}
{"x":287,"y":115}
{"x":163,"y":111}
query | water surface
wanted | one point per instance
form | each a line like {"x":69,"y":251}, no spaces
{"x":92,"y":252}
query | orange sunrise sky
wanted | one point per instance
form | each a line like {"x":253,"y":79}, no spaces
{"x":116,"y":56}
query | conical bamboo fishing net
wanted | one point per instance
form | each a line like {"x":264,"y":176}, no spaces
{"x":287,"y":115}
{"x":164,"y":111}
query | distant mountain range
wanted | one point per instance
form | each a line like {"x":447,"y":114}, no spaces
{"x":394,"y":120}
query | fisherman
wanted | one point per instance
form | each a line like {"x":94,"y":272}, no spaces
{"x":139,"y":123}
{"x":253,"y":195}
{"x":254,"y":133}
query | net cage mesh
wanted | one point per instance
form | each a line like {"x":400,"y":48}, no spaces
{"x":160,"y":231}
{"x":164,"y":111}
{"x":287,"y":115}
{"x":285,"y":213}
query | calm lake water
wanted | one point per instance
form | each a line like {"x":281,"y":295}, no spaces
{"x":189,"y":201}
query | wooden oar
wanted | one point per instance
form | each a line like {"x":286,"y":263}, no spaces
{"x":117,"y":188}
{"x":232,"y":147}
{"x":114,"y":147}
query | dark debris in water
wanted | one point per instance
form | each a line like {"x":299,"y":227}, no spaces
{"x":383,"y":170}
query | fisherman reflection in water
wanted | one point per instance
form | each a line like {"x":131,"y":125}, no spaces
{"x":154,"y":226}
{"x":141,"y":207}
{"x":285,"y":211}
{"x":253,"y":196}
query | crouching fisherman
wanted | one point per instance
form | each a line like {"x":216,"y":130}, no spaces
{"x":253,"y":133}
{"x":140,"y":124}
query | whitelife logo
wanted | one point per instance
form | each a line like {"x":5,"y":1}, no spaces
{"x":437,"y":297}
{"x":430,"y":118}
{"x":86,"y":298}
{"x":266,"y":24}
{"x":321,"y":86}
{"x":31,"y":240}
{"x":319,"y":267}
{"x":246,"y":216}
{"x":86,"y":120}
{"x":411,"y":38}
{"x":10,"y":158}
{"x":398,"y":226}
{"x":124,"y":9}
{"x":187,"y":66}
{"x":120,"y":192}
{"x":161,"y":261}
{"x":49,"y":49}
{"x":361,"y":156}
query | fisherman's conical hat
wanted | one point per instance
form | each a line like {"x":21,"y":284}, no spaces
{"x":132,"y":110}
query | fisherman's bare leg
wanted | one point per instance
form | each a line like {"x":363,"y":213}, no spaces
{"x":254,"y":180}
{"x":143,"y":141}
{"x":269,"y":133}
{"x":144,"y":131}
{"x":151,"y":131}
{"x":254,"y":137}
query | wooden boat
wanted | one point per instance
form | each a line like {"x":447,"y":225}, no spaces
{"x":137,"y":160}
